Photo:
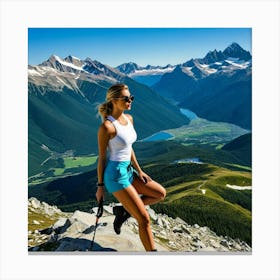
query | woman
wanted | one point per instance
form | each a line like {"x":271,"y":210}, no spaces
{"x":116,"y":174}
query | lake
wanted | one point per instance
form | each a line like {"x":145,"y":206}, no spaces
{"x":189,"y":160}
{"x":158,"y":137}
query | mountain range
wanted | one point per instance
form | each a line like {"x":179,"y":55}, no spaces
{"x":233,"y":55}
{"x":148,"y":75}
{"x":217,"y":87}
{"x":63,"y":95}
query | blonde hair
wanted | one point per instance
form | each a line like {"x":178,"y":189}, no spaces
{"x":106,"y":108}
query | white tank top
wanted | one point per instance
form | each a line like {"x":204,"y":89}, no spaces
{"x":120,"y":146}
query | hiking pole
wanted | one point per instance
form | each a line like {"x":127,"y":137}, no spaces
{"x":98,"y":215}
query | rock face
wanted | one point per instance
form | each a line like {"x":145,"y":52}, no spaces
{"x":75,"y":232}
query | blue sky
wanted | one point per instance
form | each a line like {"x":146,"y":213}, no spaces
{"x":114,"y":46}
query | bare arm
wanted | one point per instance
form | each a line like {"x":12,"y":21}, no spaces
{"x":141,"y":174}
{"x":104,"y":134}
{"x":135,"y":162}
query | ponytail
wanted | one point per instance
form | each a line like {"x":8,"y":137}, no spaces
{"x":105,"y":109}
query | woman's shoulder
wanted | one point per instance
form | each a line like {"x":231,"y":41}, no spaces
{"x":107,"y":126}
{"x":129,"y":117}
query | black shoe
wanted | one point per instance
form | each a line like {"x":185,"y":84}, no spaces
{"x":121,"y":216}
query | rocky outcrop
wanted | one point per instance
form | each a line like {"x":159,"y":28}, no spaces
{"x":75,"y":232}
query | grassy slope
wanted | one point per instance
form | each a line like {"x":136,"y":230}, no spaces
{"x":64,"y":166}
{"x":202,"y":130}
{"x":168,"y":151}
{"x":224,"y":210}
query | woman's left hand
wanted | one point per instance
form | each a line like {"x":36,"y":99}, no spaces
{"x":144,"y":177}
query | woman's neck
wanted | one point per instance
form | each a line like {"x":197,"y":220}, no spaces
{"x":116,"y":114}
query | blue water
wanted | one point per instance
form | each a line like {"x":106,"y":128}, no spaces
{"x":158,"y":136}
{"x":164,"y":135}
{"x":188,"y":113}
{"x":189,"y":160}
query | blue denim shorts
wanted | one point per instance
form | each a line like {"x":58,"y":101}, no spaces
{"x":118,"y":175}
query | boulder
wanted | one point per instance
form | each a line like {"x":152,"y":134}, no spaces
{"x":35,"y":203}
{"x":152,"y":214}
{"x":61,"y":225}
{"x":177,"y":229}
{"x":86,"y":218}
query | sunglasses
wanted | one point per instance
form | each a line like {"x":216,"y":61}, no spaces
{"x":126,"y":98}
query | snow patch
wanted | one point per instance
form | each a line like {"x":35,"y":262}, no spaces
{"x":210,"y":70}
{"x":157,"y":71}
{"x":241,"y":188}
{"x":75,"y":57}
{"x":33,"y":72}
{"x":60,"y":81}
{"x":233,"y":59}
{"x":68,"y":64}
{"x":236,"y":63}
{"x":188,"y":70}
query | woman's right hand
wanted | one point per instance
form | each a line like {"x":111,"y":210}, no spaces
{"x":100,"y":194}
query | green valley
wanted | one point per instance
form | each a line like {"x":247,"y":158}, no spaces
{"x":63,"y":166}
{"x":204,"y":131}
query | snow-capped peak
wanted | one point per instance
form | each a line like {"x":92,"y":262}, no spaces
{"x":132,"y":69}
{"x":234,"y":50}
{"x":67,"y":65}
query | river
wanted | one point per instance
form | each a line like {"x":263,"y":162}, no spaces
{"x":188,"y":113}
{"x":161,"y":135}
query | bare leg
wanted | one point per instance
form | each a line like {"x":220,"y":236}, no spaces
{"x":131,"y":201}
{"x":152,"y":191}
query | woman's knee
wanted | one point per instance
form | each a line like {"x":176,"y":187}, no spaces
{"x":162,"y":193}
{"x":143,"y":219}
{"x":159,"y":191}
